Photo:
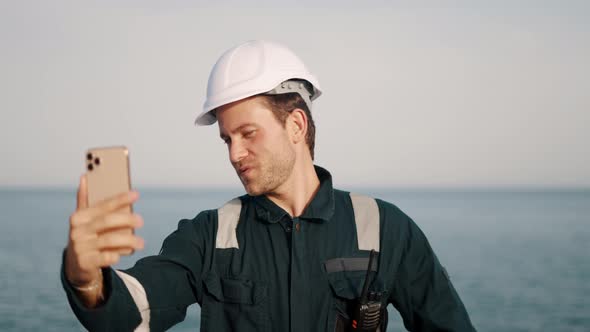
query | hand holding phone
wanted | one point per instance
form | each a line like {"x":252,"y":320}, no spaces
{"x":102,"y":227}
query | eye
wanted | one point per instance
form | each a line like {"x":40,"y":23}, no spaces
{"x":226,"y":140}
{"x":250,"y":133}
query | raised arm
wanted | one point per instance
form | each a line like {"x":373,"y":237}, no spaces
{"x":97,"y":238}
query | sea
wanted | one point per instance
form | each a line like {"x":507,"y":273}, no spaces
{"x":519,"y":259}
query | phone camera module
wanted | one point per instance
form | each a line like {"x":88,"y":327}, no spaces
{"x":90,"y":167}
{"x":97,"y":161}
{"x":89,"y":156}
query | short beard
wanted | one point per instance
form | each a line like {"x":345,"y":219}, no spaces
{"x":278,"y":169}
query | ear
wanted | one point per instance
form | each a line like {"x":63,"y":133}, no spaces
{"x":297,"y":122}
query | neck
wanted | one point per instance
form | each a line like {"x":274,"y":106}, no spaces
{"x":294,"y":195}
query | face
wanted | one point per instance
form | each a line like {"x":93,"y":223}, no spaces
{"x":259,"y":146}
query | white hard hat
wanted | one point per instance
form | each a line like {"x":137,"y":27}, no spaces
{"x":252,"y":68}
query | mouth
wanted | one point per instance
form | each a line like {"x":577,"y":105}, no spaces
{"x":242,"y":171}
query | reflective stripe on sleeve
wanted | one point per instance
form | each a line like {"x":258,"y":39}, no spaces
{"x":366,"y":217}
{"x":228,"y":217}
{"x":139,"y":297}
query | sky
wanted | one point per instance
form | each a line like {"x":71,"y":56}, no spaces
{"x":455,"y":94}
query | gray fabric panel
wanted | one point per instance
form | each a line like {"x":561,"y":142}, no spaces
{"x":228,"y":217}
{"x":350,"y":264}
{"x":366,"y":217}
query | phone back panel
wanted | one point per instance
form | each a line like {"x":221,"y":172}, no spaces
{"x":107,"y":173}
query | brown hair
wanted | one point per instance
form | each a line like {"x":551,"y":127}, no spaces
{"x":283,"y":104}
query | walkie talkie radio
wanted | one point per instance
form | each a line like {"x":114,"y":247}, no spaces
{"x":367,"y":315}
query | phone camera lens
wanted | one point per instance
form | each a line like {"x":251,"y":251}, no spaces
{"x":97,"y":161}
{"x":90,"y":167}
{"x":89,"y":156}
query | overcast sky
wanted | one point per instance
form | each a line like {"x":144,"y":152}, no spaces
{"x":469,"y":94}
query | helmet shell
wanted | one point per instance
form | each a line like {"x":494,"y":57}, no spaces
{"x":248,"y":69}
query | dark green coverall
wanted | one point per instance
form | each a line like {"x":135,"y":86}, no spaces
{"x":278,"y":279}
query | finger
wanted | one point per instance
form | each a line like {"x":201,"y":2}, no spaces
{"x":125,"y":251}
{"x":82,"y":196}
{"x":110,"y":241}
{"x":108,"y":258}
{"x":109,"y":205}
{"x":115,"y":221}
{"x":118,"y":201}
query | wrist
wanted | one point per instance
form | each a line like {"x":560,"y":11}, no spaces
{"x":90,"y":287}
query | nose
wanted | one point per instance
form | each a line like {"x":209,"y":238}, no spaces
{"x":237,"y":151}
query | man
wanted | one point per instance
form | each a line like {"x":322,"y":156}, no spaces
{"x":293,"y":254}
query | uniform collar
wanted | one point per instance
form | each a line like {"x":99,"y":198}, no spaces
{"x":320,"y":209}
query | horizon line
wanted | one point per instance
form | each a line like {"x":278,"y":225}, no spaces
{"x":391,"y":188}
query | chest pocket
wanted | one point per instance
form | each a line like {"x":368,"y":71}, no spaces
{"x":234,"y":305}
{"x":346,"y":277}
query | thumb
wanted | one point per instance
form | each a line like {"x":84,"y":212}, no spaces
{"x":82,"y":196}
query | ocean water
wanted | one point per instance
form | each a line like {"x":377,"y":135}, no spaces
{"x":519,"y":260}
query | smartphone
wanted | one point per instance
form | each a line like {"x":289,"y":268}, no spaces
{"x":107,"y":175}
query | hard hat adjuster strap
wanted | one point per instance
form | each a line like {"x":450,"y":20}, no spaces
{"x":294,"y":86}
